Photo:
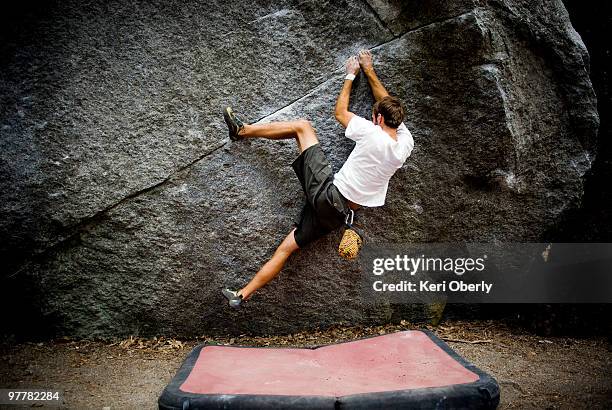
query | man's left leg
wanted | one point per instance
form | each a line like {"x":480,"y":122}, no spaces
{"x":271,"y":268}
{"x":267,"y":272}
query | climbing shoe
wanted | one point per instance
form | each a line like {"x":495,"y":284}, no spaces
{"x":235,"y":300}
{"x":233,"y":123}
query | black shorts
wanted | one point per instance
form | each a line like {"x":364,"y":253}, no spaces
{"x":325,"y":207}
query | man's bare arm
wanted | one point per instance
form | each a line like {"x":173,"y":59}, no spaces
{"x":342,"y":113}
{"x":378,"y":89}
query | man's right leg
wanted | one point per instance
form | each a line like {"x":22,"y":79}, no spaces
{"x":301,"y":130}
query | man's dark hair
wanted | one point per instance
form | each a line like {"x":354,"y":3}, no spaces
{"x":392,"y":110}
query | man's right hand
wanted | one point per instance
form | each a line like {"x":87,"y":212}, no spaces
{"x":365,"y":60}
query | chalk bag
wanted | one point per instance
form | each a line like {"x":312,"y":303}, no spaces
{"x":352,"y":241}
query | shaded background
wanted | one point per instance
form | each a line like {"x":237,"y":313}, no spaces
{"x":125,"y":209}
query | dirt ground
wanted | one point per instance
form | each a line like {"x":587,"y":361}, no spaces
{"x":533,"y":372}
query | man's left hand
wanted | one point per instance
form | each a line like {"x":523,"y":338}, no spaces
{"x":352,"y":65}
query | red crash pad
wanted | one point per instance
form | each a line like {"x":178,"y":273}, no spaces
{"x":405,"y":360}
{"x":411,"y":369}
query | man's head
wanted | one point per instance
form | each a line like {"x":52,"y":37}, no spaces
{"x":390,"y":110}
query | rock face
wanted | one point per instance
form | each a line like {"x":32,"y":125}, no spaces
{"x":125,"y":208}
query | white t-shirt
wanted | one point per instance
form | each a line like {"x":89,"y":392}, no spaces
{"x":364,"y":177}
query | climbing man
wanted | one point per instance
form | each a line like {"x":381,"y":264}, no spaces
{"x":382,"y":146}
